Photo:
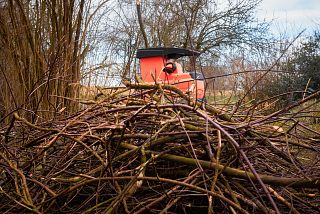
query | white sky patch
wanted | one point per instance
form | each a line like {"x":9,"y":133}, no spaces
{"x":291,"y":16}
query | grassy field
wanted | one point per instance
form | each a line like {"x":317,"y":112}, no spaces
{"x":226,"y":97}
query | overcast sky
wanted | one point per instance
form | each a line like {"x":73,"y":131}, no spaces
{"x":291,"y":16}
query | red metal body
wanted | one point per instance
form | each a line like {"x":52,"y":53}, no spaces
{"x":152,"y":71}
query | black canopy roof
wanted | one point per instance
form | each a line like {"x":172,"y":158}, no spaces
{"x":172,"y":53}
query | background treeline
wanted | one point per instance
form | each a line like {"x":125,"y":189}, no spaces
{"x":50,"y":50}
{"x":303,"y":72}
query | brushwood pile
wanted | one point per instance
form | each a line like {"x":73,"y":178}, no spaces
{"x":152,"y":149}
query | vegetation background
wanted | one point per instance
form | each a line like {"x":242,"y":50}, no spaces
{"x":53,"y":53}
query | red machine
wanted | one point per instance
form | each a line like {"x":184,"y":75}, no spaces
{"x":158,"y":65}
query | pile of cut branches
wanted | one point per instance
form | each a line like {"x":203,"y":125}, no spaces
{"x":154,"y":150}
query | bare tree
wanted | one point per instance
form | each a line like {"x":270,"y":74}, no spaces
{"x":120,"y":38}
{"x":205,"y":25}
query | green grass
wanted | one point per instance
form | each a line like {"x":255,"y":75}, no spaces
{"x":224,"y":99}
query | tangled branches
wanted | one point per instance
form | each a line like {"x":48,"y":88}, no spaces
{"x":147,"y":152}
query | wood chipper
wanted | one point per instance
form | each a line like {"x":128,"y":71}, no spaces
{"x":159,"y":65}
